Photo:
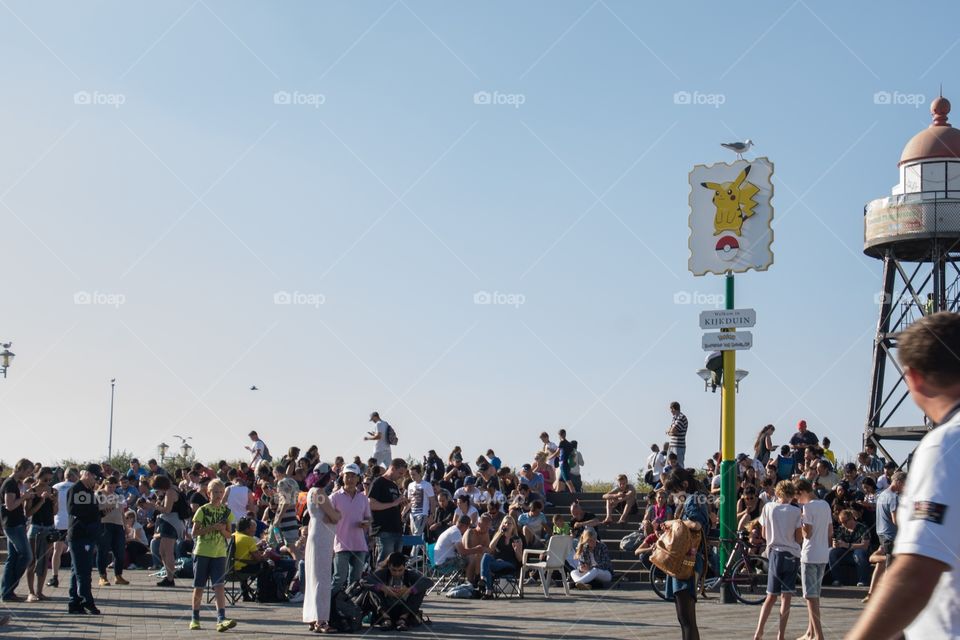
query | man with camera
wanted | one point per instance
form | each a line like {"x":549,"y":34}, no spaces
{"x":14,"y":521}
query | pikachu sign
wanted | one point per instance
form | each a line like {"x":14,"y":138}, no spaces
{"x":730,"y":216}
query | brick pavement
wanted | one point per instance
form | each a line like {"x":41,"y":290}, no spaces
{"x":143,"y":610}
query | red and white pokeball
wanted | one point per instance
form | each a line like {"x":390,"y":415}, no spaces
{"x":728,"y":247}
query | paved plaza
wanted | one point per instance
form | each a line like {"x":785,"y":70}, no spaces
{"x":630,"y":612}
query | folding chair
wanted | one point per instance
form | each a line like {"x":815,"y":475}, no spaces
{"x":444,"y":576}
{"x":558,"y":548}
{"x":418,"y":552}
{"x":506,"y":583}
{"x":235,"y":580}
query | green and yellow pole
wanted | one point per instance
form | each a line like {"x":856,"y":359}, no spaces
{"x":728,"y":474}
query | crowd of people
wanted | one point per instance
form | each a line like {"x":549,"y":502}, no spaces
{"x":308,"y":529}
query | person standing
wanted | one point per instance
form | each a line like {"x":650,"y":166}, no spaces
{"x":694,"y":515}
{"x":238,"y":497}
{"x":41,"y":512}
{"x":112,"y":534}
{"x":567,"y":456}
{"x":678,"y":433}
{"x":817,"y":534}
{"x":350,"y":542}
{"x":421,"y":499}
{"x":781,"y":525}
{"x":386,"y":503}
{"x":14,"y":521}
{"x":381,"y":435}
{"x":61,"y":520}
{"x":211,"y":528}
{"x":801,"y":440}
{"x":318,"y":558}
{"x":82,"y":537}
{"x":258,"y":450}
{"x":886,"y":524}
{"x":919,"y":592}
{"x":763,"y":445}
{"x":655,"y":463}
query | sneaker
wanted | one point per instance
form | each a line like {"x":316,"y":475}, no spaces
{"x":92,"y":608}
{"x":836,"y":583}
{"x":225,"y":624}
{"x":75,"y":608}
{"x":861,"y":584}
{"x":166,"y":582}
{"x":296,"y":598}
{"x":194,"y":625}
{"x":53,"y":582}
{"x":104,"y":582}
{"x":13,"y":598}
{"x":120,"y":580}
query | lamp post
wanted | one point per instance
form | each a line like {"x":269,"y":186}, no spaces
{"x":162,"y":449}
{"x":113,"y":384}
{"x":6,"y":357}
{"x":185,"y":447}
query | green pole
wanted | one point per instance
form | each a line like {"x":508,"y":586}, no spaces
{"x":728,"y":475}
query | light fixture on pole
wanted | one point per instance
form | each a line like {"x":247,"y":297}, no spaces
{"x":162,"y":449}
{"x":185,"y":447}
{"x":6,"y":357}
{"x":113,"y":384}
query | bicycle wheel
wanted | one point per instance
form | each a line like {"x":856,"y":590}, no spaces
{"x":658,"y":581}
{"x":748,"y":579}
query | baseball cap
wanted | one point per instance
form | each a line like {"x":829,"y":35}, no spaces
{"x":352,"y":468}
{"x":526,"y":466}
{"x":849,"y":467}
{"x":741,"y":457}
{"x":802,"y":424}
{"x":321,"y":468}
{"x":470,"y":480}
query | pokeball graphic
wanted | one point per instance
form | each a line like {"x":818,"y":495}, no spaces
{"x":728,"y":248}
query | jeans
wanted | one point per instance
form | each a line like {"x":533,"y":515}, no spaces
{"x":81,"y":553}
{"x":846,"y":557}
{"x":389,"y":542}
{"x":347,"y":567}
{"x":18,"y":557}
{"x":112,"y":538}
{"x":417,"y":526}
{"x":490,"y":565}
{"x":681,"y":452}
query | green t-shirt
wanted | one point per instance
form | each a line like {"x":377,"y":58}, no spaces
{"x":213,"y":544}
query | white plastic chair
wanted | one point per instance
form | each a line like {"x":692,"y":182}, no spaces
{"x":558,"y":548}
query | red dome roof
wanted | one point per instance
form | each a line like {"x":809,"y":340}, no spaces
{"x":939,"y":140}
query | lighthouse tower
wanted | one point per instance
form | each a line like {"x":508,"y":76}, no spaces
{"x":916,"y":233}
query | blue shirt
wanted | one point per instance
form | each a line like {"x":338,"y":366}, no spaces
{"x":495,"y":463}
{"x":887,"y":503}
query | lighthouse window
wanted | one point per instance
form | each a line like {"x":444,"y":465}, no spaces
{"x":953,"y":176}
{"x":911,"y":178}
{"x":934,"y":176}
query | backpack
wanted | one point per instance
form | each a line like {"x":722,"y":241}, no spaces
{"x":676,"y":550}
{"x":461,"y":592}
{"x":302,"y":507}
{"x":269,"y":588}
{"x":391,"y":435}
{"x":631,"y":541}
{"x":345,"y":615}
{"x":265,"y":456}
{"x":182,"y":508}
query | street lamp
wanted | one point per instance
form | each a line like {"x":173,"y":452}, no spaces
{"x":184,"y":445}
{"x":162,"y":450}
{"x":6,"y":357}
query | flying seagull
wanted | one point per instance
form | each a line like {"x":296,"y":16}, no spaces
{"x":254,"y":388}
{"x":738,"y":148}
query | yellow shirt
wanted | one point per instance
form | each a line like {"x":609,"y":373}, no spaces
{"x":244,"y":545}
{"x":830,"y":456}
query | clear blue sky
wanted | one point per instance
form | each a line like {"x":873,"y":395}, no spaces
{"x":399,"y":198}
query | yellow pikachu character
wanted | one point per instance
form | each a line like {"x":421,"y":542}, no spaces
{"x":734,"y":202}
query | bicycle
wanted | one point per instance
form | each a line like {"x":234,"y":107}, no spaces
{"x":746,"y":574}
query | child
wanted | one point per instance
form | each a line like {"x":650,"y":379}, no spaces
{"x":211,"y":528}
{"x":755,"y":542}
{"x":827,"y":453}
{"x":781,"y":526}
{"x":560,"y":526}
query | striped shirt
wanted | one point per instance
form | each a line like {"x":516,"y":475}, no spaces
{"x":678,"y":431}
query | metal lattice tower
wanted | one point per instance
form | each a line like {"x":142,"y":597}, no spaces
{"x":916,"y":233}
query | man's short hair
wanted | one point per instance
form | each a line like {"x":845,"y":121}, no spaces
{"x":134,"y":461}
{"x":544,"y":434}
{"x":931,"y":346}
{"x":398,"y":463}
{"x":464,"y":520}
{"x":252,"y":433}
{"x":152,"y":461}
{"x":416,"y":468}
{"x":674,"y":405}
{"x":803,"y":486}
{"x":899,"y":476}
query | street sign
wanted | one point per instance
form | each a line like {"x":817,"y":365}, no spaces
{"x":728,"y":318}
{"x":728,"y":341}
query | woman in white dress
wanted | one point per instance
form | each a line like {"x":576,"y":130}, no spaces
{"x":318,"y":561}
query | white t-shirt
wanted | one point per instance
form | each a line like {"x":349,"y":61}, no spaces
{"x":816,"y":548}
{"x":928,"y":521}
{"x":473,"y":493}
{"x":781,"y":521}
{"x":485,"y":498}
{"x":471,"y":512}
{"x":656,"y":461}
{"x":62,"y":519}
{"x":383,"y":444}
{"x":446,"y":547}
{"x":238,"y":497}
{"x":419,"y":494}
{"x":882,"y":482}
{"x":256,"y":452}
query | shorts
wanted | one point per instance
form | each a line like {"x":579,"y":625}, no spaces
{"x":207,"y":568}
{"x":167,"y":530}
{"x":812,"y":578}
{"x":782,"y":575}
{"x":457,"y":562}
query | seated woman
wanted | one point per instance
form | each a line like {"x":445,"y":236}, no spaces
{"x":138,"y":547}
{"x":399,"y":592}
{"x":504,"y":553}
{"x":593,"y":562}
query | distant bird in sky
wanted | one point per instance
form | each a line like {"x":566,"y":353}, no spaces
{"x":738,"y":148}
{"x":254,"y":388}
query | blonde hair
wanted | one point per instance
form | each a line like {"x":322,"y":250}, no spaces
{"x":213,"y":484}
{"x":584,"y":540}
{"x":785,"y":489}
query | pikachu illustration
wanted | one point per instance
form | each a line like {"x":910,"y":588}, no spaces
{"x":734,"y":202}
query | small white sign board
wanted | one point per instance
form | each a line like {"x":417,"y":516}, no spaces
{"x":728,"y":318}
{"x":728,"y":341}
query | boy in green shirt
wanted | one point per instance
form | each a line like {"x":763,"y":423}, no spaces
{"x":211,"y":528}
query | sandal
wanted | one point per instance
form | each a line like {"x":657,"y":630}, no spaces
{"x":402,"y":624}
{"x":325,"y":628}
{"x":387,"y":625}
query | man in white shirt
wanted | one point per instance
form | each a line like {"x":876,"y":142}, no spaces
{"x":815,"y":554}
{"x":450,"y":548}
{"x":920,"y":592}
{"x":61,"y":521}
{"x":257,"y":450}
{"x":655,"y":463}
{"x":421,"y":499}
{"x":381,"y":451}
